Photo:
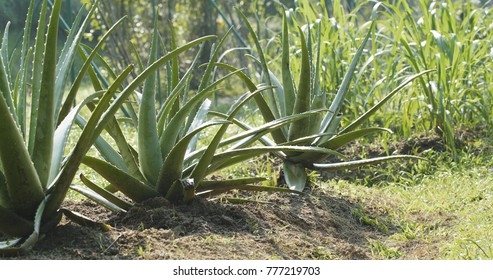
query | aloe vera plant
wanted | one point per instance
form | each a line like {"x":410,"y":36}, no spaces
{"x":167,"y":161}
{"x":34,"y":173}
{"x":290,"y":98}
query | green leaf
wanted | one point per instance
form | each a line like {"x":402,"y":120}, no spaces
{"x":265,"y":110}
{"x":170,"y":133}
{"x":68,"y":53}
{"x":43,"y":143}
{"x":23,"y":183}
{"x":377,"y":106}
{"x":343,"y":139}
{"x":69,"y":100}
{"x":301,"y":128}
{"x":341,"y":93}
{"x":38,"y":64}
{"x":272,"y":101}
{"x":357,"y":163}
{"x":61,"y":136}
{"x":295,"y":175}
{"x":148,"y":141}
{"x":173,"y":165}
{"x":120,"y":203}
{"x":13,"y":224}
{"x":228,"y":158}
{"x":105,"y":149}
{"x":198,"y":120}
{"x":210,"y":66}
{"x":92,"y":195}
{"x":128,"y":185}
{"x":5,"y":91}
{"x":287,"y":78}
{"x":206,"y":185}
{"x":90,"y":133}
{"x":200,"y":169}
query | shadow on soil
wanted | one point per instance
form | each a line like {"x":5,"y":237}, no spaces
{"x":312,"y":226}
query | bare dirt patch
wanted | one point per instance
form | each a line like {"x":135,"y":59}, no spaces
{"x":311,"y":226}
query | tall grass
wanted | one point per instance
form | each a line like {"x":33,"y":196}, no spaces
{"x":450,"y":37}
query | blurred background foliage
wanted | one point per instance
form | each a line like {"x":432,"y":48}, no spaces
{"x":388,"y":59}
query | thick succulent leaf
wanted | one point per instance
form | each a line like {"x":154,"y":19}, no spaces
{"x":61,"y":136}
{"x":69,"y":100}
{"x":105,"y":193}
{"x":168,"y":104}
{"x":357,"y":163}
{"x":335,"y":143}
{"x":128,"y":185}
{"x":319,"y":98}
{"x":126,"y":151}
{"x":90,"y":133}
{"x":37,"y":75}
{"x":295,"y":175}
{"x":41,"y":223}
{"x":206,"y":77}
{"x":200,"y":170}
{"x":175,"y":71}
{"x":251,"y":188}
{"x":84,"y":220}
{"x":377,"y":106}
{"x":148,"y":141}
{"x":94,"y":196}
{"x":341,"y":93}
{"x":252,"y":134}
{"x":262,"y":105}
{"x":198,"y":120}
{"x":228,"y":158}
{"x":13,"y":224}
{"x":5,"y":91}
{"x":69,"y":52}
{"x":22,"y":78}
{"x":265,"y":69}
{"x":344,"y":139}
{"x":4,"y":193}
{"x":264,"y":140}
{"x":287,"y":77}
{"x":244,"y":139}
{"x":170,"y":133}
{"x":43,"y":143}
{"x":20,"y":93}
{"x":206,"y":185}
{"x":301,"y":128}
{"x":264,"y":108}
{"x":173,"y":165}
{"x":4,"y":47}
{"x":105,"y":149}
{"x":23,"y":183}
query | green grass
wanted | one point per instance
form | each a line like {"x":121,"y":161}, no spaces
{"x":444,"y":214}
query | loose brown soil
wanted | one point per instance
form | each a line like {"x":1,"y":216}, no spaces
{"x":311,"y":226}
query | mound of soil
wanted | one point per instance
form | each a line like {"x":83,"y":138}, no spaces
{"x":283,"y":226}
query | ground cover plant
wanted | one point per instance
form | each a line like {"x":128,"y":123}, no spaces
{"x":175,"y":167}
